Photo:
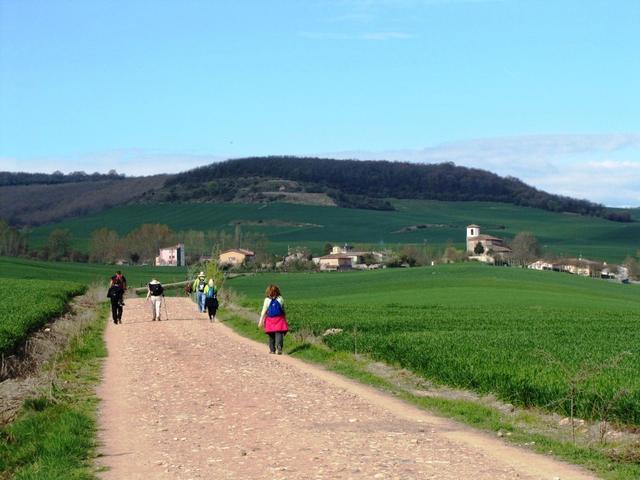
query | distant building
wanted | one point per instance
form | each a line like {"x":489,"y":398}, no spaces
{"x":493,"y":248}
{"x":334,"y":261}
{"x":171,"y":256}
{"x":544,"y":265}
{"x":235,"y":256}
{"x":581,"y":266}
{"x":357,"y":257}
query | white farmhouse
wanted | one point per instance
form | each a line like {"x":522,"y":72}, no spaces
{"x":171,"y":256}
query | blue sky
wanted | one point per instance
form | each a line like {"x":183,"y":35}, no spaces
{"x":545,"y":90}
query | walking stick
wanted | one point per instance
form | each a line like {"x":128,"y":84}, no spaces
{"x":166,"y":313}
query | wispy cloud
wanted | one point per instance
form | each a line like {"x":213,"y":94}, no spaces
{"x":366,"y":5}
{"x":386,"y":36}
{"x":603,"y":168}
{"x":614,"y":183}
{"x":366,"y":36}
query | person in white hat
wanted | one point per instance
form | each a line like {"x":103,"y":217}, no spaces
{"x":155,"y":291}
{"x":199,"y":285}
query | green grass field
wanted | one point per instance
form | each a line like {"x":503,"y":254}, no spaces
{"x":86,"y":273}
{"x":33,"y":292}
{"x":54,"y":435}
{"x":488,"y":329}
{"x":568,"y":235}
{"x":28,"y":304}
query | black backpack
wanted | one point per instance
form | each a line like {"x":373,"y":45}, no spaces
{"x":115,"y":292}
{"x":156,"y":289}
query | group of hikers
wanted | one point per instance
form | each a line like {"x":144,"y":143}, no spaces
{"x":272,"y":317}
{"x":206,"y":295}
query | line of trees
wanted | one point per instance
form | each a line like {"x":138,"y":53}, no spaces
{"x":142,"y":244}
{"x":24,"y":178}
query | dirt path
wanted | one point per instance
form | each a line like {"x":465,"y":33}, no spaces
{"x":187,"y":399}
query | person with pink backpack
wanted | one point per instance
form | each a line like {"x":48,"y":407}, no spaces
{"x":273,"y":319}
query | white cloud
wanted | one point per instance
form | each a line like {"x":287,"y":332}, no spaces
{"x":603,"y":168}
{"x":616,"y":184}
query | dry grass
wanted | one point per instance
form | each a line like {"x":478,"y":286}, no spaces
{"x":24,"y":373}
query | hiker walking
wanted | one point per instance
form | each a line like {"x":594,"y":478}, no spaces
{"x":155,"y":291}
{"x":115,"y":294}
{"x":198,"y":286}
{"x":211,"y":299}
{"x":119,"y":279}
{"x":273,"y":319}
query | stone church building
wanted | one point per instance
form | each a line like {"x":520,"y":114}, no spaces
{"x":494,"y":248}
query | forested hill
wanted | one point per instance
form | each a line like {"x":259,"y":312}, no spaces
{"x":366,"y":184}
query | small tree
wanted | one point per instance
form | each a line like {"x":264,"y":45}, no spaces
{"x":525,"y":248}
{"x":326,"y":250}
{"x":12,"y":241}
{"x":147,"y":239}
{"x":212,"y":268}
{"x":452,"y":254}
{"x":104,"y":246}
{"x":59,"y":243}
{"x":369,"y":259}
{"x":478,"y":249}
{"x":633,"y":266}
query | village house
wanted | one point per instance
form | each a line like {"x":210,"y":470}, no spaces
{"x":235,"y":256}
{"x":493,"y":248}
{"x":171,"y":256}
{"x":345,"y":257}
{"x":334,"y":261}
{"x":357,"y":257}
{"x":581,"y":266}
{"x":544,"y":265}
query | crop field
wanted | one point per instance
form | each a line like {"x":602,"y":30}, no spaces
{"x":522,"y":335}
{"x":28,"y":304}
{"x":33,"y":292}
{"x":421,"y":222}
{"x":86,"y":273}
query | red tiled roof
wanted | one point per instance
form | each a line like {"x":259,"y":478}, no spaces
{"x":239,"y":250}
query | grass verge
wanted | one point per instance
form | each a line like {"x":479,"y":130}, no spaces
{"x":53,"y":437}
{"x":607,"y":462}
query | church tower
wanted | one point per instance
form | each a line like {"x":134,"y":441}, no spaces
{"x":472,"y":232}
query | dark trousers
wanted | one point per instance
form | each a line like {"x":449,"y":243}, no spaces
{"x":116,"y":311}
{"x":212,"y":307}
{"x":276,"y":339}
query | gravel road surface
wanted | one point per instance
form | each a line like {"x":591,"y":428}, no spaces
{"x":188,"y":399}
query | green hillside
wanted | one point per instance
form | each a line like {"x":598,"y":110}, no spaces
{"x":488,"y":329}
{"x":289,"y":224}
{"x":85,"y":273}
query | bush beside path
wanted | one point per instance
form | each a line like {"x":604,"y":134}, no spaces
{"x":188,"y":399}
